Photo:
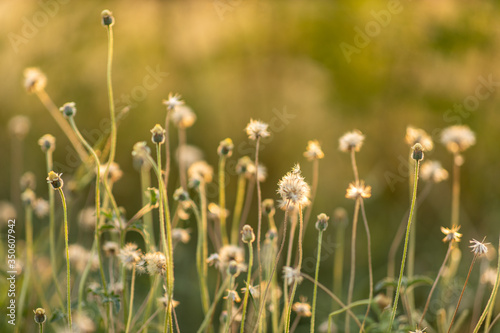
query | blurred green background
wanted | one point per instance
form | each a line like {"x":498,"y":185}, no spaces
{"x":236,"y":60}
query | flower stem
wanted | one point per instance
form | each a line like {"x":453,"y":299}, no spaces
{"x":370,"y":266}
{"x":338,"y":265}
{"x":315,"y":291}
{"x":249,"y":278}
{"x":455,"y":203}
{"x":229,"y":307}
{"x":240,"y":197}
{"x":214,"y":303}
{"x":222,"y":200}
{"x":132,"y":287}
{"x":408,"y":228}
{"x":353,"y":260}
{"x":462,"y":293}
{"x":68,"y":273}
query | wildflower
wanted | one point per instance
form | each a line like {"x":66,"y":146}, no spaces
{"x":183,"y":116}
{"x":141,"y":150}
{"x":417,"y":135}
{"x":34,"y":80}
{"x":79,"y":257}
{"x":433,"y":171}
{"x":107,"y":18}
{"x":158,"y":134}
{"x":418,"y":152}
{"x":201,"y":171}
{"x":271,"y":234}
{"x":86,"y":217}
{"x":28,"y":197}
{"x":233,"y":296}
{"x":111,"y":249}
{"x":458,"y":138}
{"x":129,"y":255}
{"x":47,"y":143}
{"x":247,"y":234}
{"x":356,"y":190}
{"x":451,"y":235}
{"x":478,"y":248}
{"x":268,"y":207}
{"x":213,"y":260}
{"x":173,"y":101}
{"x":229,"y":253}
{"x":214,"y":211}
{"x":302,"y":308}
{"x":41,"y":207}
{"x":254,"y":291}
{"x":250,"y":172}
{"x":28,"y":180}
{"x":292,"y":275}
{"x":114,"y":171}
{"x":19,"y":126}
{"x":351,"y":141}
{"x":181,"y":195}
{"x":40,"y":316}
{"x":55,"y":180}
{"x":313,"y":151}
{"x":257,"y":129}
{"x":293,"y":189}
{"x":243,"y":164}
{"x":68,"y":109}
{"x":322,"y":222}
{"x":180,"y":235}
{"x":155,"y":263}
{"x":225,"y":147}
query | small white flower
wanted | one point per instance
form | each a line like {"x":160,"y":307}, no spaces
{"x":257,"y":129}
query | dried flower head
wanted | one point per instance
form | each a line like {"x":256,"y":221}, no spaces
{"x":28,"y":197}
{"x":213,"y":260}
{"x":114,"y":171}
{"x":158,"y":134}
{"x":180,"y":235}
{"x":181,"y":195}
{"x":313,"y":151}
{"x":55,"y":180}
{"x":40,"y":316}
{"x":257,"y":129}
{"x":451,"y":235}
{"x":225,"y":148}
{"x":293,"y":189}
{"x":107,"y":18}
{"x":356,"y":190}
{"x":247,"y":234}
{"x":292,"y":275}
{"x":111,"y":249}
{"x":173,"y":101}
{"x":322,"y":222}
{"x":417,"y":135}
{"x":183,"y":116}
{"x":302,"y":308}
{"x":68,"y":109}
{"x":478,"y":248}
{"x":141,"y":150}
{"x":19,"y":126}
{"x":243,"y":164}
{"x":250,"y":172}
{"x":268,"y":207}
{"x":233,"y":296}
{"x":154,"y":263}
{"x":418,"y":152}
{"x":458,"y":138}
{"x":351,"y":140}
{"x":201,"y":170}
{"x":165,"y":299}
{"x":228,"y":253}
{"x":47,"y":143}
{"x":433,"y":171}
{"x":28,"y":180}
{"x":41,"y":207}
{"x":129,"y":255}
{"x":34,"y":80}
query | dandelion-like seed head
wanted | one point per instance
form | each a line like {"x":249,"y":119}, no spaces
{"x":313,"y":151}
{"x":19,"y":126}
{"x":86,"y":218}
{"x":225,"y":148}
{"x":302,"y":308}
{"x":47,"y":143}
{"x":292,"y":275}
{"x":158,"y":134}
{"x":351,"y":141}
{"x":79,"y":256}
{"x":417,"y":135}
{"x":82,"y":323}
{"x":433,"y":171}
{"x":68,"y":109}
{"x":489,"y":276}
{"x":419,"y":331}
{"x":451,"y":235}
{"x":164,"y":300}
{"x":183,"y":116}
{"x":28,"y":197}
{"x":173,"y":101}
{"x":201,"y":170}
{"x":34,"y":80}
{"x":155,"y":263}
{"x":293,"y":189}
{"x":257,"y":129}
{"x":130,"y":255}
{"x":322,"y":222}
{"x":7,"y":212}
{"x":40,"y":316}
{"x":247,"y":234}
{"x":243,"y":164}
{"x":213,"y":260}
{"x":418,"y":152}
{"x":55,"y":180}
{"x":358,"y":189}
{"x":458,"y":138}
{"x":107,"y":18}
{"x":111,"y":249}
{"x":250,"y":172}
{"x":478,"y":248}
{"x":180,"y":235}
{"x":230,"y":253}
{"x":215,"y":212}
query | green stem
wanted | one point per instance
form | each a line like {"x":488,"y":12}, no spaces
{"x":462,"y":293}
{"x":455,"y":203}
{"x":205,"y":301}
{"x":408,"y":228}
{"x":338,"y":265}
{"x":229,"y":307}
{"x":370,"y":266}
{"x":29,"y":258}
{"x":204,"y":222}
{"x":148,"y":217}
{"x":410,"y":270}
{"x":222,"y":200}
{"x":208,"y":316}
{"x":353,"y":260}
{"x":315,"y":292}
{"x":132,"y":287}
{"x":249,"y":278}
{"x":83,"y":279}
{"x":314,"y":188}
{"x":259,"y":221}
{"x":240,"y":198}
{"x":68,"y":273}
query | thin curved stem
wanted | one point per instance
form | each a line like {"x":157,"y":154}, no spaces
{"x":222,"y":200}
{"x":132,"y":288}
{"x":316,"y":274}
{"x":208,"y":316}
{"x":370,"y":266}
{"x":314,"y":188}
{"x":353,"y":260}
{"x":68,"y":272}
{"x":249,"y":281}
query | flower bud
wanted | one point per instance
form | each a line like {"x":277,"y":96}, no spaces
{"x":225,"y":147}
{"x":55,"y":180}
{"x":107,"y":18}
{"x":268,"y":207}
{"x":40,"y":316}
{"x":418,"y":152}
{"x":158,"y":134}
{"x":322,"y":222}
{"x":247,"y":234}
{"x":232,"y":268}
{"x":181,"y":195}
{"x":47,"y":143}
{"x":28,"y":197}
{"x":68,"y":109}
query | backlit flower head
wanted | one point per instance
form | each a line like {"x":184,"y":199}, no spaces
{"x":158,"y":134}
{"x":250,"y":172}
{"x":229,"y":253}
{"x":47,"y":143}
{"x":173,"y":101}
{"x":201,"y":170}
{"x":313,"y":151}
{"x":155,"y":263}
{"x":358,"y":189}
{"x":302,"y":308}
{"x":451,"y":235}
{"x":68,"y":109}
{"x":478,"y":248}
{"x":458,"y":138}
{"x":19,"y":126}
{"x":183,"y":116}
{"x":129,"y":255}
{"x":351,"y":140}
{"x":28,"y":197}
{"x":433,"y":171}
{"x":114,"y":171}
{"x":243,"y":164}
{"x":111,"y":249}
{"x":417,"y":135}
{"x":180,"y":235}
{"x":79,"y":256}
{"x":141,"y":150}
{"x":225,"y":147}
{"x":292,"y":275}
{"x":257,"y":129}
{"x":215,"y":212}
{"x":55,"y":180}
{"x":34,"y":80}
{"x":293,"y":189}
{"x":233,"y":296}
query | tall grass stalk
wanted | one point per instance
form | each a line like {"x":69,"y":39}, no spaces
{"x":229,"y":307}
{"x":488,"y":310}
{"x":247,"y":290}
{"x":408,"y":228}
{"x":314,"y":188}
{"x":182,"y":167}
{"x":316,"y":274}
